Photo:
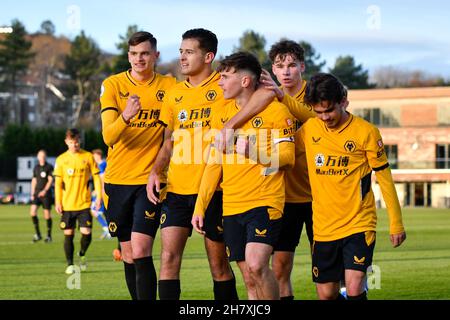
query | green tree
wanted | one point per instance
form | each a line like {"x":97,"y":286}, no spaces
{"x":47,"y":27}
{"x":353,"y":76}
{"x":120,"y":62}
{"x":255,"y":43}
{"x":15,"y":57}
{"x":83,"y":66}
{"x":312,"y":60}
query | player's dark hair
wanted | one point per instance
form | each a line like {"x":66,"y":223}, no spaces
{"x":324,"y":87}
{"x":287,"y":47}
{"x":242,"y":61}
{"x":142,"y":36}
{"x":207,"y":40}
{"x":98,"y":151}
{"x":72,"y":134}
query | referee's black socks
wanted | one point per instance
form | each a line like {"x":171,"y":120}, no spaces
{"x":145,"y":278}
{"x":169,"y":289}
{"x":49,"y":227}
{"x":35,"y":220}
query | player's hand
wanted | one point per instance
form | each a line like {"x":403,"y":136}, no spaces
{"x":153,"y":184}
{"x":268,"y":83}
{"x":59,"y":208}
{"x":398,"y":239}
{"x":224,"y":140}
{"x":132,"y":108}
{"x":42,"y":194}
{"x":242,"y":146}
{"x":98,"y":203}
{"x":32,"y":197}
{"x":197,"y":223}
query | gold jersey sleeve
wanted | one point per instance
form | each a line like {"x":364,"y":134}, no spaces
{"x":340,"y":164}
{"x":72,"y":173}
{"x":187,"y":112}
{"x":133,"y":147}
{"x":298,"y":189}
{"x":247,"y":183}
{"x":298,"y":108}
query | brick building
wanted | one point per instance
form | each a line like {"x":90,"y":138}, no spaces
{"x":415,"y":125}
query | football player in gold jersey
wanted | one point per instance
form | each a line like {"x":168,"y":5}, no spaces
{"x":73,"y":169}
{"x":341,"y":152}
{"x":186,"y":114}
{"x":288,"y":65}
{"x":130,"y":108}
{"x":253,"y":184}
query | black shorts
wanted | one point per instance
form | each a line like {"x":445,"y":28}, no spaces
{"x":69,"y":219}
{"x":129,"y":210}
{"x":254,"y":225}
{"x":177,"y":211}
{"x":330,"y":259}
{"x":294,"y":216}
{"x":45,"y":201}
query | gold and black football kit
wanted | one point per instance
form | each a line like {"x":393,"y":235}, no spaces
{"x":187,"y":112}
{"x":253,"y":189}
{"x":132,"y":151}
{"x":72,"y":174}
{"x":340,"y":164}
{"x":298,"y":207}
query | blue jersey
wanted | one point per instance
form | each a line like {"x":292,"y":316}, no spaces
{"x":102,"y":168}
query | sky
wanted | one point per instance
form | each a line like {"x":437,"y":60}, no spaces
{"x":411,"y":35}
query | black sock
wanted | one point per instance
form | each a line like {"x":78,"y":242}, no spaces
{"x":169,"y":289}
{"x":85,"y":242}
{"x":49,"y":227}
{"x":68,"y":248}
{"x":36,"y":225}
{"x":362,"y":296}
{"x":287,"y":298}
{"x":145,"y":278}
{"x":130,"y":278}
{"x":225,"y":290}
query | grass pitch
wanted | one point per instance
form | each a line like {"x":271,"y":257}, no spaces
{"x":419,"y":269}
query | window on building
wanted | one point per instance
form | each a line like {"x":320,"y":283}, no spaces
{"x":377,"y":116}
{"x":442,"y":156}
{"x":392,"y":155}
